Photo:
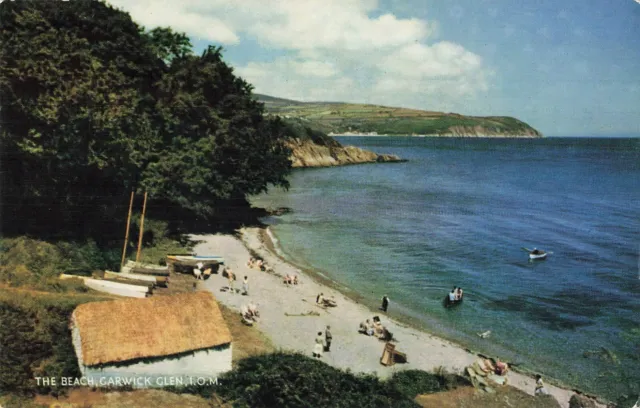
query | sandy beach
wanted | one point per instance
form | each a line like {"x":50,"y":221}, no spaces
{"x":282,"y":307}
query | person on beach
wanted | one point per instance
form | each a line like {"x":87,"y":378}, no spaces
{"x":318,"y":346}
{"x":231,"y":278}
{"x":370,"y":328}
{"x":245,"y":286}
{"x":385,"y":303}
{"x":540,"y":388}
{"x":501,"y":367}
{"x":295,"y":279}
{"x":320,"y":299}
{"x":363,"y":328}
{"x":253,"y":310}
{"x":327,"y":339}
{"x":378,"y":328}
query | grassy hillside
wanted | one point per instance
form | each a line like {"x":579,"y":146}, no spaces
{"x":340,"y":118}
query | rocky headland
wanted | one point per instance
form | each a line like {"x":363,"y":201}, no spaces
{"x":307,"y":153}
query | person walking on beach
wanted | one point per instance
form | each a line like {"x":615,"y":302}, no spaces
{"x":318,"y":346}
{"x":385,"y":303}
{"x":327,"y":339}
{"x":245,"y":286}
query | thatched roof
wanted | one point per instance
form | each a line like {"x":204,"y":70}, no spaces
{"x":128,"y":329}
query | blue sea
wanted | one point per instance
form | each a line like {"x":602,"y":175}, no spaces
{"x":458,"y":213}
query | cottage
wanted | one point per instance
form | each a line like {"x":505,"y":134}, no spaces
{"x":181,"y":338}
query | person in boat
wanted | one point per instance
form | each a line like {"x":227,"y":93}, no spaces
{"x":459,"y":294}
{"x":452,"y":295}
{"x":536,"y":251}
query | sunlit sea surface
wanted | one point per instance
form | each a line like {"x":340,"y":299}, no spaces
{"x":458,"y":213}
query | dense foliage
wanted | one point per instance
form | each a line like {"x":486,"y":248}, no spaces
{"x":294,"y":380}
{"x":95,"y":107}
{"x":35,"y":340}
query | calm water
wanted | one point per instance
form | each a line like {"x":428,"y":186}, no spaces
{"x":458,"y":213}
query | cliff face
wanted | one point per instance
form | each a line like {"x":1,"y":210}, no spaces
{"x":480,"y":131}
{"x":306,"y":153}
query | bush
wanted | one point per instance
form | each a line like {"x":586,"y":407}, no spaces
{"x":35,"y":340}
{"x":294,"y":380}
{"x":411,"y":383}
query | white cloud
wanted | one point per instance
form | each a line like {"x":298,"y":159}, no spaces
{"x":150,"y":14}
{"x":334,"y":49}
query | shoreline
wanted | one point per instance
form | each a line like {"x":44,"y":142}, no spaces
{"x":354,"y":351}
{"x":266,"y":236}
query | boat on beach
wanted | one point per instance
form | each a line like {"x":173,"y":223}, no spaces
{"x":196,"y":258}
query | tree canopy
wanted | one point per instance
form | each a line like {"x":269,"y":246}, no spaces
{"x":94,"y":106}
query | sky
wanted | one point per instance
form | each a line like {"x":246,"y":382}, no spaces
{"x":568,"y":68}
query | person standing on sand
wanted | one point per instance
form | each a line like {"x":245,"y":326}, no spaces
{"x":232,"y":278}
{"x":318,"y":346}
{"x":327,"y":339}
{"x":385,"y":303}
{"x":245,"y":286}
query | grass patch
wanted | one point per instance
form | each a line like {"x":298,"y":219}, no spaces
{"x":35,"y":340}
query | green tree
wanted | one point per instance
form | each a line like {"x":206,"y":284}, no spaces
{"x":216,"y":146}
{"x":94,"y":106}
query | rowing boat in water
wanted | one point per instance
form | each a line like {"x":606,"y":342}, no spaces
{"x":451,"y":303}
{"x":536,"y":254}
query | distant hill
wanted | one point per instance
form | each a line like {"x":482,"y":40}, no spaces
{"x":337,"y":118}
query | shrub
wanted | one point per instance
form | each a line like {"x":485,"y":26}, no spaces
{"x":294,"y":380}
{"x":411,"y":383}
